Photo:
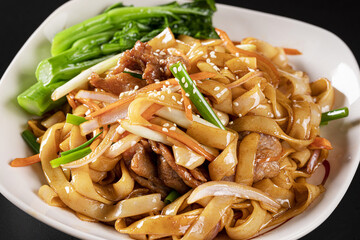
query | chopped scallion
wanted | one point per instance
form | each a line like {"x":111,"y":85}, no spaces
{"x":73,"y":119}
{"x":30,"y":139}
{"x":173,"y":195}
{"x":84,"y":145}
{"x":205,"y":110}
{"x":333,"y":115}
{"x":137,"y":75}
{"x":70,"y":157}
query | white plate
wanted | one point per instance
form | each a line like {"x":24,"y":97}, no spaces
{"x":324,"y":55}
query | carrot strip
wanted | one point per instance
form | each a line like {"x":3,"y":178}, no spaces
{"x":292,"y":51}
{"x":264,"y":63}
{"x":244,"y":78}
{"x":93,"y":106}
{"x":183,"y":138}
{"x":187,"y":105}
{"x":151,"y":111}
{"x":71,"y":100}
{"x":320,"y":143}
{"x":22,"y":162}
{"x":148,"y":88}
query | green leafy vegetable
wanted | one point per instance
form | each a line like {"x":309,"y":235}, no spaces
{"x":173,"y":195}
{"x":115,"y":30}
{"x":70,"y":157}
{"x":333,"y":115}
{"x":205,"y":110}
{"x":82,"y":146}
{"x":73,"y":119}
{"x":30,"y":139}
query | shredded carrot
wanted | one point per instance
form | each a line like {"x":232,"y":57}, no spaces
{"x":148,"y":88}
{"x":264,"y":63}
{"x":187,"y":105}
{"x":151,"y":111}
{"x":292,"y":51}
{"x":71,"y":100}
{"x":244,"y":78}
{"x":185,"y":139}
{"x":320,"y":143}
{"x":22,"y":162}
{"x":89,"y":103}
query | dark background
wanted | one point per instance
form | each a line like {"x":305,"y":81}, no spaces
{"x":19,"y":19}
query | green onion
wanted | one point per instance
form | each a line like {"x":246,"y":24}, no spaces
{"x":333,"y":115}
{"x":137,"y":75}
{"x":73,"y":119}
{"x":173,"y":195}
{"x":205,"y":110}
{"x":84,"y":145}
{"x":30,"y":139}
{"x":70,"y":157}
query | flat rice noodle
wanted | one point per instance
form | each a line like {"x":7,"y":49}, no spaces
{"x":300,"y":84}
{"x":217,"y":91}
{"x":271,"y":94}
{"x":57,"y":117}
{"x":246,"y":159}
{"x":224,"y":165}
{"x":80,"y":179}
{"x":209,"y":218}
{"x":50,"y":197}
{"x":324,"y":94}
{"x":81,"y":204}
{"x":76,"y":138}
{"x":252,"y":224}
{"x":301,"y":157}
{"x":119,"y":190}
{"x":164,"y":225}
{"x":99,"y":150}
{"x":225,"y":188}
{"x":122,"y":145}
{"x":97,"y":96}
{"x":248,"y":101}
{"x":267,"y":126}
{"x":305,"y":194}
{"x":163,"y":40}
{"x":187,"y":158}
{"x":209,"y":136}
{"x":284,"y":197}
{"x":301,"y":124}
{"x":225,"y":106}
{"x":104,"y":164}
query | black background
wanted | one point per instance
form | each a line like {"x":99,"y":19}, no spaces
{"x":19,"y":19}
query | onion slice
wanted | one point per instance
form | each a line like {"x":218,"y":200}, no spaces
{"x":224,"y":188}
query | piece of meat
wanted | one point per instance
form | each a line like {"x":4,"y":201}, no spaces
{"x":269,"y":147}
{"x":170,"y":177}
{"x":151,"y":185}
{"x":141,"y":163}
{"x":180,"y":170}
{"x":155,"y":147}
{"x":116,"y":83}
{"x":266,"y":170}
{"x":152,"y":64}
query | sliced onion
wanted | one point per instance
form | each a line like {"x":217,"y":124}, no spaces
{"x":224,"y":188}
{"x":98,"y":96}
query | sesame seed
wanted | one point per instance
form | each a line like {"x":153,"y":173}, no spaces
{"x":165,"y":130}
{"x":232,"y":122}
{"x":136,"y":87}
{"x":217,"y":88}
{"x":162,"y":97}
{"x":179,"y":68}
{"x":189,"y":107}
{"x":186,"y":94}
{"x":162,"y":53}
{"x":173,"y":98}
{"x":167,"y":83}
{"x":178,"y":102}
{"x":175,"y":70}
{"x":236,"y":104}
{"x":186,"y":85}
{"x":183,"y":79}
{"x":166,"y":125}
{"x":172,"y":128}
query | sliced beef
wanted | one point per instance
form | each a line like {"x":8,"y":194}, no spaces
{"x":152,"y":64}
{"x":116,"y":83}
{"x":269,"y":147}
{"x":151,"y":185}
{"x":141,"y":163}
{"x":266,"y":170}
{"x":170,"y":177}
{"x":180,"y":170}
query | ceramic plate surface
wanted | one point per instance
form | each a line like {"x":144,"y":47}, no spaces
{"x":324,"y":55}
